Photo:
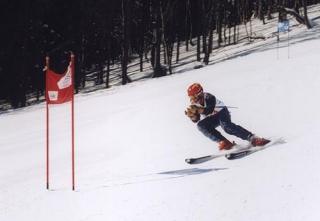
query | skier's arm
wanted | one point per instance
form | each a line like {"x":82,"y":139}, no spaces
{"x":210,"y":102}
{"x":208,"y":108}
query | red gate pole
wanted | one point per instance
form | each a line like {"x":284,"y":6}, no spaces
{"x":47,"y":124}
{"x":72,"y":121}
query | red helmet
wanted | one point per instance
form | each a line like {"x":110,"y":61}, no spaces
{"x":195,"y":89}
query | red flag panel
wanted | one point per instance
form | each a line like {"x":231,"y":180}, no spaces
{"x":59,"y":87}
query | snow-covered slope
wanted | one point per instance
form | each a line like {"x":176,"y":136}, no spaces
{"x":131,"y":143}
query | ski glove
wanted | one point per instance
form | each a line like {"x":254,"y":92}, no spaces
{"x":193,"y":112}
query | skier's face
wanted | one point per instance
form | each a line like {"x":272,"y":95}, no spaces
{"x":196,"y":99}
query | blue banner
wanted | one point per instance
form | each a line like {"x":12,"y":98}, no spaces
{"x":283,"y":26}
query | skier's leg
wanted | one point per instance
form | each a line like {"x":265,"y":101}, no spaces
{"x":208,"y":127}
{"x":231,"y":128}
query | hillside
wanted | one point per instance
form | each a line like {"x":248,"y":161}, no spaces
{"x":131,"y":142}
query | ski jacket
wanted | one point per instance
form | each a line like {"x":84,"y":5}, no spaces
{"x":211,"y":104}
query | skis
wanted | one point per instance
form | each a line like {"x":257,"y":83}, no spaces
{"x":237,"y":152}
{"x":223,"y":153}
{"x":251,"y":150}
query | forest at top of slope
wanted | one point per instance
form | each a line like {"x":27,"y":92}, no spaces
{"x":109,"y":37}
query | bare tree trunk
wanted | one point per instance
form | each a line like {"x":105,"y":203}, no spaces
{"x":99,"y":79}
{"x":208,"y":29}
{"x":141,"y":61}
{"x":235,"y":34}
{"x":158,"y":71}
{"x":261,"y":11}
{"x":126,"y":16}
{"x":219,"y":23}
{"x":108,"y":72}
{"x":188,"y":28}
{"x":198,"y":48}
{"x":178,"y":50}
{"x":306,"y":19}
{"x":211,"y":41}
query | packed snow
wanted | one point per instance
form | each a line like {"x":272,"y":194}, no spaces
{"x":131,"y":142}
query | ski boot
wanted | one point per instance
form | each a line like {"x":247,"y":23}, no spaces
{"x":225,"y":145}
{"x":258,"y":141}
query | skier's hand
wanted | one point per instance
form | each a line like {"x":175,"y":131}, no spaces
{"x":197,"y":108}
{"x":193,"y":113}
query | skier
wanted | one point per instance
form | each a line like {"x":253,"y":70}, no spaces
{"x":216,"y":114}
